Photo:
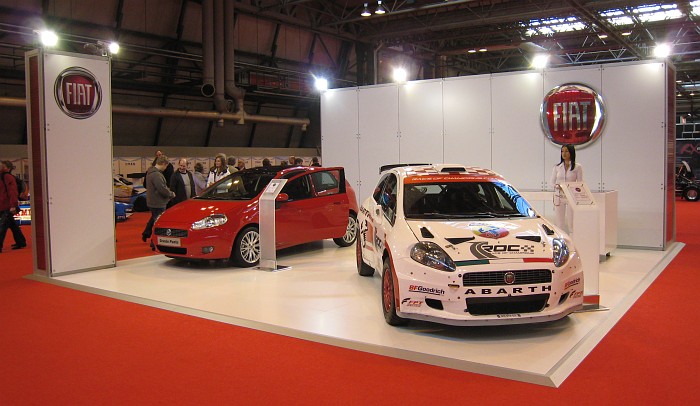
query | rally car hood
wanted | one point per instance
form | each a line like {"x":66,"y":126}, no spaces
{"x":466,"y":240}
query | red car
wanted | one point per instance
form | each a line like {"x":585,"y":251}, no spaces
{"x":222,"y":222}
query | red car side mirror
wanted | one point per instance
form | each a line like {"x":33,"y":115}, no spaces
{"x":282,"y":197}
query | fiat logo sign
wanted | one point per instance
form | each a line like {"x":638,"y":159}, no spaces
{"x":78,"y":93}
{"x":572,"y":114}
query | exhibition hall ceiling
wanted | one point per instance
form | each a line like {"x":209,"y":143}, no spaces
{"x":282,"y":45}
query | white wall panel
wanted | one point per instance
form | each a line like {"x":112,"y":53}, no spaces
{"x":634,"y":149}
{"x":467,"y":118}
{"x":420,"y":122}
{"x":339,"y":143}
{"x":379,"y":127}
{"x":589,"y":156}
{"x":81,"y":225}
{"x":518,"y":143}
{"x":493,"y":121}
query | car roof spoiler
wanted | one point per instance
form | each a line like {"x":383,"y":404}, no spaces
{"x":387,"y":167}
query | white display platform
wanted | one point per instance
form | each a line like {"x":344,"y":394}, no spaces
{"x":323,"y":299}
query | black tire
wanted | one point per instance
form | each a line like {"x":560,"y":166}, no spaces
{"x":362,"y":268}
{"x":388,"y":297}
{"x":140,"y":204}
{"x":246,"y":248}
{"x":350,"y":232}
{"x":691,"y":193}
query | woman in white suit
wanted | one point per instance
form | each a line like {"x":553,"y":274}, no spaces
{"x":567,"y":170}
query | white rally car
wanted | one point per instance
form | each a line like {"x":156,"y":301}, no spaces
{"x":459,"y":245}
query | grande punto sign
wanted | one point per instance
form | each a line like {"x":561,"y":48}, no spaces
{"x":572,"y":114}
{"x":78,"y":93}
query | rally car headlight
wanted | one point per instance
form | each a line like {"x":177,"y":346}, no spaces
{"x":430,"y":254}
{"x":214,"y":220}
{"x":560,"y":252}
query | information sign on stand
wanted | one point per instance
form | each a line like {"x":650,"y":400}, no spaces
{"x":586,"y":237}
{"x":266,"y":214}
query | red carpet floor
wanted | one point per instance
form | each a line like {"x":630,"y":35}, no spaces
{"x":64,"y":347}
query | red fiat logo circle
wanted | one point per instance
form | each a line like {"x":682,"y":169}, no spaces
{"x":572,"y":114}
{"x":78,"y":93}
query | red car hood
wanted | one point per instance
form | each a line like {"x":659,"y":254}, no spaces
{"x":193,"y":210}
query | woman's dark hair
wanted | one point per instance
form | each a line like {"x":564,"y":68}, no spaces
{"x":572,"y":155}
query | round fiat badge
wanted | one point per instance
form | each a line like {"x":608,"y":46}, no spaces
{"x":78,"y":93}
{"x":572,"y":114}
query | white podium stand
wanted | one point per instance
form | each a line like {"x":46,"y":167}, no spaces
{"x":266,"y":216}
{"x":586,"y":237}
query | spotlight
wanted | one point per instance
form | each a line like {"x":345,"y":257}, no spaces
{"x":400,"y":75}
{"x":472,"y":51}
{"x":48,"y":38}
{"x":113,"y":48}
{"x":540,"y":61}
{"x":365,"y":12}
{"x":321,"y":84}
{"x":626,"y":33}
{"x":602,"y":35}
{"x":380,"y":9}
{"x":483,"y":49}
{"x":662,"y":50}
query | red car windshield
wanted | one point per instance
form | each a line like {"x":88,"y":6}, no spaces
{"x":244,"y":185}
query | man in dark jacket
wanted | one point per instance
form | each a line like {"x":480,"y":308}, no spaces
{"x":167,"y":172}
{"x":182,"y":183}
{"x":157,"y":193}
{"x":9,"y":203}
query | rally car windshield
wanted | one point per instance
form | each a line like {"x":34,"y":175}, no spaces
{"x":464,"y":200}
{"x":242,"y":185}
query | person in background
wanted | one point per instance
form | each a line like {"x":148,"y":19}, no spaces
{"x":240,"y":165}
{"x":167,"y":173}
{"x":298,"y":162}
{"x":157,"y":193}
{"x":219,"y":171}
{"x":567,"y":170}
{"x":231,"y":163}
{"x":200,"y":182}
{"x":9,"y":205}
{"x":265,"y":162}
{"x":314,"y":161}
{"x":182,"y":183}
{"x":291,"y":160}
{"x":284,"y":163}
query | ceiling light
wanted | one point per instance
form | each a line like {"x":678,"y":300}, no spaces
{"x":113,"y":48}
{"x":380,"y":9}
{"x":48,"y":38}
{"x":472,"y":51}
{"x":400,"y":75}
{"x":365,"y":12}
{"x":626,"y":33}
{"x":540,"y":61}
{"x":602,"y":35}
{"x":321,"y":84}
{"x":679,"y":81}
{"x":482,"y":49}
{"x":662,"y":50}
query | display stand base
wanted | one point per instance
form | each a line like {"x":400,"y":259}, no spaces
{"x":592,"y":307}
{"x":591,"y":303}
{"x":276,"y":268}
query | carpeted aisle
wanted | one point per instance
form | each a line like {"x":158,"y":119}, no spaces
{"x":59,"y":346}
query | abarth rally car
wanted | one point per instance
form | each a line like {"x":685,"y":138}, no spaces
{"x":458,"y":245}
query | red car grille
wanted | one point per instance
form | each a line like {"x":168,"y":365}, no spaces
{"x":174,"y":232}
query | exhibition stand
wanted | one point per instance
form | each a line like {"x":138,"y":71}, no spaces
{"x":594,"y":230}
{"x":266,"y":214}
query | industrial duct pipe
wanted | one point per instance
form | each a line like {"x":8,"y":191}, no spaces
{"x":208,"y":48}
{"x":182,"y":113}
